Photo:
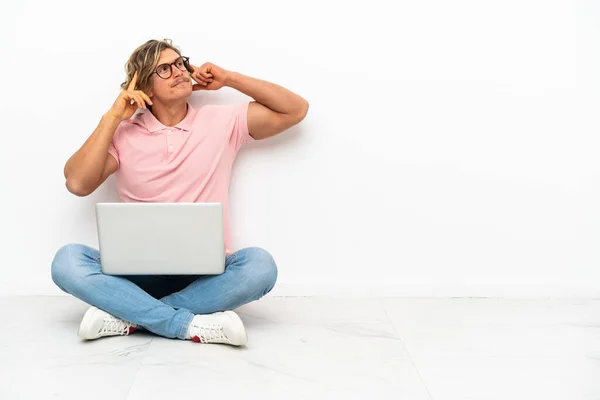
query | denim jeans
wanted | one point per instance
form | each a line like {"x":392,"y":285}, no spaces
{"x":164,"y":304}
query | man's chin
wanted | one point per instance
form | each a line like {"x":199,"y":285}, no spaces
{"x":180,"y":96}
{"x":184,"y":92}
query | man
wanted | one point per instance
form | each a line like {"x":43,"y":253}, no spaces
{"x":171,"y":152}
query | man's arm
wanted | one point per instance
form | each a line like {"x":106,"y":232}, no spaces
{"x":89,"y":167}
{"x":275,"y":108}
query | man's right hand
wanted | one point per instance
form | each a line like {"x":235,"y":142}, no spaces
{"x":129,"y":101}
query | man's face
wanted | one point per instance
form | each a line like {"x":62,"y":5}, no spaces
{"x":174,"y":87}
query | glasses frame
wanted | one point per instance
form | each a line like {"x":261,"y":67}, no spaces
{"x":186,"y":64}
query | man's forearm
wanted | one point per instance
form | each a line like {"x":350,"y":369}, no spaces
{"x":268,"y":94}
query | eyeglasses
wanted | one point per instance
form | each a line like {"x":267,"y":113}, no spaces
{"x":166,"y":70}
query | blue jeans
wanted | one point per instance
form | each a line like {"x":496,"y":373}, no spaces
{"x":164,"y":304}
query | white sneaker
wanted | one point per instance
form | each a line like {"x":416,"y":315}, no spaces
{"x":97,"y":323}
{"x":221,"y":327}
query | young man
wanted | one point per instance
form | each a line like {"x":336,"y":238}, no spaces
{"x":171,"y":152}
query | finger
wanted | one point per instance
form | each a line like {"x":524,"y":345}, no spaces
{"x":144,"y":96}
{"x":206,"y":74}
{"x":197,"y":76}
{"x":135,"y":100}
{"x":204,"y":71}
{"x":200,"y":79}
{"x":130,"y":99}
{"x":140,"y":101}
{"x":133,"y":82}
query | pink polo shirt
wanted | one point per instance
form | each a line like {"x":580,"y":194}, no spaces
{"x":189,"y":162}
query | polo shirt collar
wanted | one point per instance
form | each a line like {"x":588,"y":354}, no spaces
{"x":154,"y":125}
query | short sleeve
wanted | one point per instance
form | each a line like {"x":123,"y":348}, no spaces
{"x":240,"y":134}
{"x":112,"y":148}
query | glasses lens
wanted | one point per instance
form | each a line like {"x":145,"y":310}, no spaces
{"x":164,"y":71}
{"x":180,"y":63}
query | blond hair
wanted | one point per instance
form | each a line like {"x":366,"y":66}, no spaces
{"x":144,"y":60}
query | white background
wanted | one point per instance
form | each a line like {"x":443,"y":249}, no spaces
{"x":451,"y":148}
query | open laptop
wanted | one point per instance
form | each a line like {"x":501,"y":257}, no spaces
{"x":161,"y":238}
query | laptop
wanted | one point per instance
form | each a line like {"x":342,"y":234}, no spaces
{"x":161,"y":238}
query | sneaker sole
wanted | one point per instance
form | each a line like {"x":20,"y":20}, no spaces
{"x":84,"y":327}
{"x":239,"y":327}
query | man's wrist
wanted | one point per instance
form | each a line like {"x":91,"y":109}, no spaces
{"x":112,"y":118}
{"x":231,"y":79}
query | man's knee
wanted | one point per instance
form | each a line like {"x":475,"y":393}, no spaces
{"x":64,"y":264}
{"x":263,"y":269}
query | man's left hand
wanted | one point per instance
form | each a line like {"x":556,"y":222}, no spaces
{"x":209,"y":77}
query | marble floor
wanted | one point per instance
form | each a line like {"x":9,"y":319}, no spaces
{"x":316,"y":348}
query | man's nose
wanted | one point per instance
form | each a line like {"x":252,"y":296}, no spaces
{"x":176,"y":72}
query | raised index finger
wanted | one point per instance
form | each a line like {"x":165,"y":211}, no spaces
{"x":133,"y":82}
